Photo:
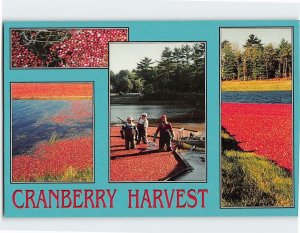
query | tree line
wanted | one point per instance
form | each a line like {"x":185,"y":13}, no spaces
{"x":256,"y":61}
{"x":179,"y":70}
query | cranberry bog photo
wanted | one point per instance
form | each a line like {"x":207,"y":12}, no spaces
{"x":257,"y":164}
{"x":156,"y":79}
{"x":52,"y":132}
{"x":63,"y":48}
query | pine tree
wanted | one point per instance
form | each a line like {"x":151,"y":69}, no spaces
{"x":228,"y":62}
{"x":146,"y":73}
{"x":198,"y":67}
{"x":251,"y":57}
{"x":165,"y":69}
{"x":270,"y":60}
{"x":285,"y":58}
{"x":239,"y":63}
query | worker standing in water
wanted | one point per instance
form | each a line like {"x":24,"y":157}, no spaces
{"x":142,"y":127}
{"x":166,"y":133}
{"x":129,"y":132}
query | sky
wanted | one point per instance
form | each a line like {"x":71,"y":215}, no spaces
{"x":238,"y":36}
{"x":125,"y":56}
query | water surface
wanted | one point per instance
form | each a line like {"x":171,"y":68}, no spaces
{"x":274,"y":97}
{"x":198,"y":161}
{"x":34,"y":121}
{"x":153,"y":111}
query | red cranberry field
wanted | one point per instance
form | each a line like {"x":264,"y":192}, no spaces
{"x":78,"y":112}
{"x":21,"y":55}
{"x":51,"y":90}
{"x":265,"y":129}
{"x":140,"y":164}
{"x":52,"y":132}
{"x":53,"y":159}
{"x":65,"y":48}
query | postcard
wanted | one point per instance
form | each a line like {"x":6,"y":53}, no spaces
{"x":151,"y":118}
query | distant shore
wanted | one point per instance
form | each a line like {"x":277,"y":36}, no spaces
{"x":258,"y":85}
{"x":51,"y":91}
{"x":52,"y":98}
{"x":200,"y":127}
{"x":175,"y":98}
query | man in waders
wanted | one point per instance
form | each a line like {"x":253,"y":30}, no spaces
{"x":129,"y":132}
{"x":166,"y":134}
{"x":142,"y":128}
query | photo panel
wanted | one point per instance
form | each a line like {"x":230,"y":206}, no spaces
{"x":33,"y":48}
{"x":157,"y":112}
{"x":257,"y":155}
{"x":52,"y":132}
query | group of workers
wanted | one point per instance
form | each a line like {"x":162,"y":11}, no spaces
{"x":131,"y":133}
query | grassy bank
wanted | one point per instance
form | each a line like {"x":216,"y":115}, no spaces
{"x":256,"y":85}
{"x":190,"y":126}
{"x":69,"y":175}
{"x":249,"y":180}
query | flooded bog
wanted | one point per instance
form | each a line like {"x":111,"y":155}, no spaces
{"x":34,"y":121}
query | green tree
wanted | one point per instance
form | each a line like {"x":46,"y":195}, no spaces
{"x":165,"y":69}
{"x":144,"y":68}
{"x":284,"y":58}
{"x":238,"y":63}
{"x":125,"y":85}
{"x":228,"y":62}
{"x":186,"y":51}
{"x":146,"y":73}
{"x":124,"y":81}
{"x":224,"y":43}
{"x":252,"y":57}
{"x":113,"y":83}
{"x":198,"y":67}
{"x":137,"y":85}
{"x":179,"y":70}
{"x":270,"y":60}
{"x":183,"y":78}
{"x":253,"y":41}
{"x":176,"y":57}
{"x":257,"y":61}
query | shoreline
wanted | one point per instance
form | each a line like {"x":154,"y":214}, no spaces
{"x":257,"y":85}
{"x":200,"y":127}
{"x":190,"y":126}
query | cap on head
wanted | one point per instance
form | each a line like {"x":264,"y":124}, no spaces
{"x":144,"y":114}
{"x":129,"y":118}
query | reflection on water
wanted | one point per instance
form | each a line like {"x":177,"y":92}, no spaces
{"x":154,"y":111}
{"x":283,"y":97}
{"x":38,"y":120}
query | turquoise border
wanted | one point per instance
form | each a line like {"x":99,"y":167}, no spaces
{"x":142,"y":31}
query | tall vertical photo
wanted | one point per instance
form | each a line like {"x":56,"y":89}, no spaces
{"x":157,"y":111}
{"x":256,"y":71}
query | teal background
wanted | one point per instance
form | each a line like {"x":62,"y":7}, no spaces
{"x":142,"y":31}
